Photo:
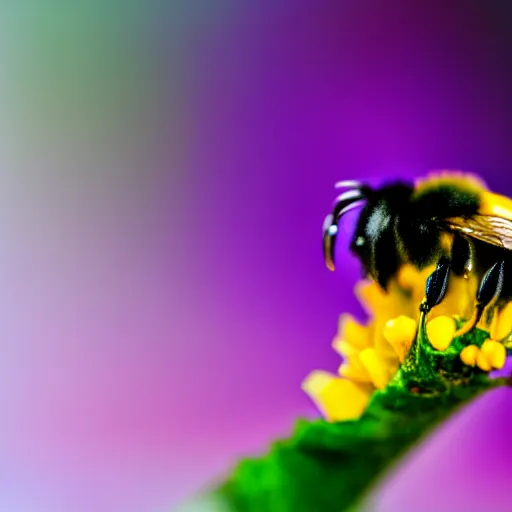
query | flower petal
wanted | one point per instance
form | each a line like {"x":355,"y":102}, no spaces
{"x":468,"y":355}
{"x":370,"y":296}
{"x":339,"y":399}
{"x":440,"y":331}
{"x":344,"y":349}
{"x":399,"y":333}
{"x":495,"y":353}
{"x":483,"y":362}
{"x":353,"y":369}
{"x":352,"y":333}
{"x":504,"y":323}
{"x":376,"y":367}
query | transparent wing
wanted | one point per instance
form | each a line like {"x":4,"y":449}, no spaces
{"x":487,"y":228}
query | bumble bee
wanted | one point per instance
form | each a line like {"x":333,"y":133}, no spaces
{"x":409,"y":223}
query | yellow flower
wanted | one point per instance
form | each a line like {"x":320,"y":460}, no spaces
{"x":482,"y":361}
{"x":376,"y":366}
{"x":351,"y":335}
{"x":460,"y":295}
{"x":468,"y":355}
{"x":373,"y":351}
{"x":492,"y":355}
{"x":399,"y":333}
{"x":496,"y":353}
{"x":339,"y":399}
{"x":503,"y":324}
{"x":440,"y":331}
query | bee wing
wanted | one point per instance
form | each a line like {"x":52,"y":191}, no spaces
{"x":487,"y":228}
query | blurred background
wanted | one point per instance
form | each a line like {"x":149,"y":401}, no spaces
{"x":165,"y":169}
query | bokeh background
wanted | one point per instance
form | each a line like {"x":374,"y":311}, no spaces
{"x":165,"y":169}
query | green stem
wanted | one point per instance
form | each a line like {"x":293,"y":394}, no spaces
{"x":332,"y":466}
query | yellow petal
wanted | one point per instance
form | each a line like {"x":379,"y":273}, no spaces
{"x":482,"y":361}
{"x":338,"y":399}
{"x":376,"y":301}
{"x":495,"y":353}
{"x":376,"y":367}
{"x":352,"y":332}
{"x":345,"y":349}
{"x":370,"y":296}
{"x":398,"y":304}
{"x":504,"y":323}
{"x":440,"y":332}
{"x":353,"y":369}
{"x":400,"y":333}
{"x":468,"y":355}
{"x":380,"y":344}
{"x":384,"y":306}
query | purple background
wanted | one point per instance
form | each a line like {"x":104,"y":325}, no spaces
{"x":165,"y":174}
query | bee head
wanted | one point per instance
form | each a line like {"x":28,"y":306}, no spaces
{"x":376,"y":242}
{"x":375,"y":224}
{"x":355,"y":194}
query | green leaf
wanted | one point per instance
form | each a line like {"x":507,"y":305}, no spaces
{"x":329,"y":466}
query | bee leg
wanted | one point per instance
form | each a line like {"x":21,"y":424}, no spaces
{"x":435,"y":291}
{"x":507,"y":343}
{"x":436,"y":286}
{"x":460,"y":263}
{"x":488,"y":292}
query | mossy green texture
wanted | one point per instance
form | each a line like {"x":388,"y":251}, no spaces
{"x":431,"y":370}
{"x":330,"y":466}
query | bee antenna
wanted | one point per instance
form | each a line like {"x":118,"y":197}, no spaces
{"x":348,"y":184}
{"x":344,"y":203}
{"x":354,"y":185}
